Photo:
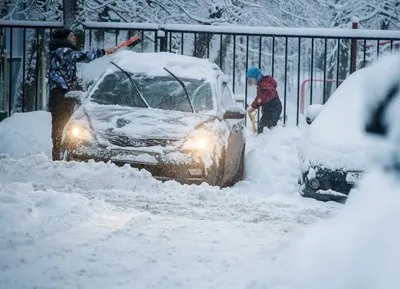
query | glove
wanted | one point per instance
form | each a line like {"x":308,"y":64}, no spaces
{"x":110,"y":50}
{"x":250,"y":110}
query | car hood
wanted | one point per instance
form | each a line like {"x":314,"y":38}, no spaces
{"x":120,"y":125}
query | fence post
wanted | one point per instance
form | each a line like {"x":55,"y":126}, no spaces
{"x":354,"y":48}
{"x":163,"y":40}
{"x":3,"y":79}
{"x":3,"y":112}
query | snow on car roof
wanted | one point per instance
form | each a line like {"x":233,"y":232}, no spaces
{"x":337,"y":138}
{"x":153,"y":63}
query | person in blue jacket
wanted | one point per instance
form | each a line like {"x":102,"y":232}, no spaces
{"x":62,"y":78}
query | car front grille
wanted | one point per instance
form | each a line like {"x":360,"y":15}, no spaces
{"x":332,"y":180}
{"x":125,"y":141}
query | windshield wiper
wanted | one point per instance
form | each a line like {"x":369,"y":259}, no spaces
{"x":183,"y":85}
{"x":134,"y":83}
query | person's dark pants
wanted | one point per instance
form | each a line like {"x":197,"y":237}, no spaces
{"x":61,"y":109}
{"x":271,"y":112}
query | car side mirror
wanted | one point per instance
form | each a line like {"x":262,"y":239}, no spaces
{"x":234,"y":112}
{"x":77,"y":95}
{"x":312,"y":112}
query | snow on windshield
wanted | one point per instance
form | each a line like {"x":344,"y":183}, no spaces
{"x":162,"y":92}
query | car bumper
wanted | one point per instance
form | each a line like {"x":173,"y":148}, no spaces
{"x":323,"y":195}
{"x":182,"y":173}
{"x":332,"y":185}
{"x":191,"y":171}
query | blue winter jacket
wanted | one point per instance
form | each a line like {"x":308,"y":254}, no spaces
{"x":62,"y":70}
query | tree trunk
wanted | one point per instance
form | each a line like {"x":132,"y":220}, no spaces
{"x":29,"y":89}
{"x":73,"y":17}
{"x":223,"y":51}
{"x":344,"y":58}
{"x":3,"y":9}
{"x":69,"y":13}
{"x":202,"y":43}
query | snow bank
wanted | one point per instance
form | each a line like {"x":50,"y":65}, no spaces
{"x":271,"y":159}
{"x":39,"y":226}
{"x":358,"y":248}
{"x":26,"y":134}
{"x":28,"y":213}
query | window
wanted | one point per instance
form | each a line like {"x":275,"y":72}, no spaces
{"x":117,"y":89}
{"x":163,"y":92}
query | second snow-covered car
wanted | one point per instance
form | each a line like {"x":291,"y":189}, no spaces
{"x":332,"y":151}
{"x":170,"y":114}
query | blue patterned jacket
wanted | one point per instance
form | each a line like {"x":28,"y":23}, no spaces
{"x":62,"y":70}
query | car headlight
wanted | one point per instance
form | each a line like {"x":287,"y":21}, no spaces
{"x":200,"y":142}
{"x":314,"y":184}
{"x":79,"y":133}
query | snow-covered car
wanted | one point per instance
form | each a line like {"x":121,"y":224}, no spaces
{"x":332,"y":151}
{"x":170,"y":114}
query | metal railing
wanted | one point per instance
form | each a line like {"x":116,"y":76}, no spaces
{"x":290,"y":55}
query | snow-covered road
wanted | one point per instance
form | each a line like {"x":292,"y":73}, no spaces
{"x":77,"y":225}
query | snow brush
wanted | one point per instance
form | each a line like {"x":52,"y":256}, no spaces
{"x":253,"y":121}
{"x":129,"y":43}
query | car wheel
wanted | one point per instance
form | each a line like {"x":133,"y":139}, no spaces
{"x":65,"y":156}
{"x":215,"y":174}
{"x":240,"y":172}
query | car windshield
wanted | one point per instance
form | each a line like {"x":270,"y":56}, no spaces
{"x":163,"y":92}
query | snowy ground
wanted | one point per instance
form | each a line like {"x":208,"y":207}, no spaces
{"x":76,"y":225}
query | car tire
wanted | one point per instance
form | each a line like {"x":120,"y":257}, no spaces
{"x":240,"y":172}
{"x":65,"y":156}
{"x":215,"y":174}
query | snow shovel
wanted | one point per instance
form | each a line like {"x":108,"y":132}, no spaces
{"x":253,"y":121}
{"x":130,"y":42}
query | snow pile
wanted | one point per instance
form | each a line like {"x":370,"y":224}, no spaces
{"x":359,"y":248}
{"x":271,"y":159}
{"x":22,"y":136}
{"x":40,"y":226}
{"x":29,"y":214}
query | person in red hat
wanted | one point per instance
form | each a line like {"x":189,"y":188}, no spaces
{"x":64,"y":55}
{"x":267,"y":98}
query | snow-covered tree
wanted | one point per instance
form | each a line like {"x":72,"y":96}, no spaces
{"x":375,"y":14}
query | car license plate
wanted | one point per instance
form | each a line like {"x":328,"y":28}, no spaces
{"x":354,"y":177}
{"x":133,"y":156}
{"x":121,"y":152}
